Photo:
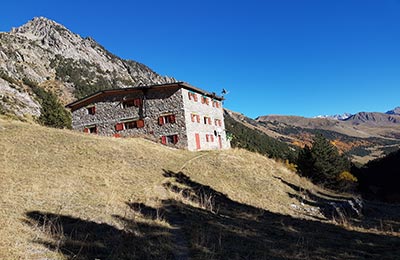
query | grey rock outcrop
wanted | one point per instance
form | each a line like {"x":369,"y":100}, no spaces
{"x":47,"y":53}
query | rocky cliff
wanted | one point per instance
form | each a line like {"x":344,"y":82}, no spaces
{"x":46,"y":53}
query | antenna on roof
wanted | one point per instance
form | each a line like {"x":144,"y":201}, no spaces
{"x":224,"y":92}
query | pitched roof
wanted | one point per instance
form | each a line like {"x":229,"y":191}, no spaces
{"x":117,"y":91}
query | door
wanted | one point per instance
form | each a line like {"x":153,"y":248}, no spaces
{"x":220,"y":142}
{"x":197,"y":136}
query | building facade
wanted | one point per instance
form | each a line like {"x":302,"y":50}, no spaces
{"x":175,"y":114}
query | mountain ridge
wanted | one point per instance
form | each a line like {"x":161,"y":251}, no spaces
{"x":363,"y":136}
{"x":395,"y":111}
{"x":47,"y":53}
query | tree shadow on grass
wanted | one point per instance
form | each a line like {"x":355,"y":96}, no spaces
{"x":76,"y":238}
{"x":207,"y":224}
{"x":357,"y":212}
{"x":221,"y":228}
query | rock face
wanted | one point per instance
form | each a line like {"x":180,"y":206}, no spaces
{"x":46,"y":53}
{"x":395,"y":111}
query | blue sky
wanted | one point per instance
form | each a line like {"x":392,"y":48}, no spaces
{"x":293,"y":57}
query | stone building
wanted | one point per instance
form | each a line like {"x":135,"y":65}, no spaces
{"x":175,"y":114}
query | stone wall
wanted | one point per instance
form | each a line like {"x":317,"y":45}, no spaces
{"x":156,"y":102}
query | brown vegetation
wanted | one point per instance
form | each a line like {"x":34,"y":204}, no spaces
{"x":68,"y":195}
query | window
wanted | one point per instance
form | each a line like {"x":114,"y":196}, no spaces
{"x":91,"y":110}
{"x":192,"y":96}
{"x":90,"y":129}
{"x":205,"y":100}
{"x":137,"y":102}
{"x":209,"y":138}
{"x":129,"y":125}
{"x":162,"y":120}
{"x":169,"y":139}
{"x":207,"y":120}
{"x":218,"y":122}
{"x":216,"y":104}
{"x":195,"y":118}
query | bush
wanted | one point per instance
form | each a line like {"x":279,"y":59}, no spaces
{"x":347,"y":177}
{"x":290,"y":166}
{"x":346,"y":182}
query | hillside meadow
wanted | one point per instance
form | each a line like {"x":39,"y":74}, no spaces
{"x":68,"y":195}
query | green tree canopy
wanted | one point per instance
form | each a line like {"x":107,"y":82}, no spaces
{"x":322,"y":163}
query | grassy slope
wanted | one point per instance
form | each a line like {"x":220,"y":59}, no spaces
{"x":65,"y":194}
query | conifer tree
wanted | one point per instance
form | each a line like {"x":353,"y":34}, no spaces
{"x":322,"y":163}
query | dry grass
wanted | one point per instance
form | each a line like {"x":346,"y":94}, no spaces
{"x":55,"y":183}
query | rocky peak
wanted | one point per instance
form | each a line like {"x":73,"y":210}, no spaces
{"x":39,"y":27}
{"x":47,"y":53}
{"x":48,"y":33}
{"x":395,"y":111}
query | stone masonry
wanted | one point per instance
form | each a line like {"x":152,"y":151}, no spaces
{"x":175,"y":114}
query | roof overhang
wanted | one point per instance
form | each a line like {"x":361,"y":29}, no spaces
{"x":110,"y":92}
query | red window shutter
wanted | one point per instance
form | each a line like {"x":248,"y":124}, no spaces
{"x":190,"y":95}
{"x":95,"y":130}
{"x":86,"y":130}
{"x":212,"y":138}
{"x":172,"y":119}
{"x":93,"y":110}
{"x":206,"y":137}
{"x":140,"y":123}
{"x":161,"y":120}
{"x":175,"y":137}
{"x":209,"y":121}
{"x":217,"y":104}
{"x":163,"y":139}
{"x":119,"y":127}
{"x":117,"y":135}
{"x":193,"y":117}
{"x":198,"y":118}
{"x":195,"y":97}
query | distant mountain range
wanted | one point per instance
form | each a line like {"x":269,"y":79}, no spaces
{"x":375,"y":118}
{"x":364,"y":135}
{"x":395,"y":111}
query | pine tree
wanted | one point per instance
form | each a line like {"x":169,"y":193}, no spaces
{"x":322,"y":163}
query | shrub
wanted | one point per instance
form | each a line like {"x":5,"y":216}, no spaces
{"x":290,"y":166}
{"x":347,"y":177}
